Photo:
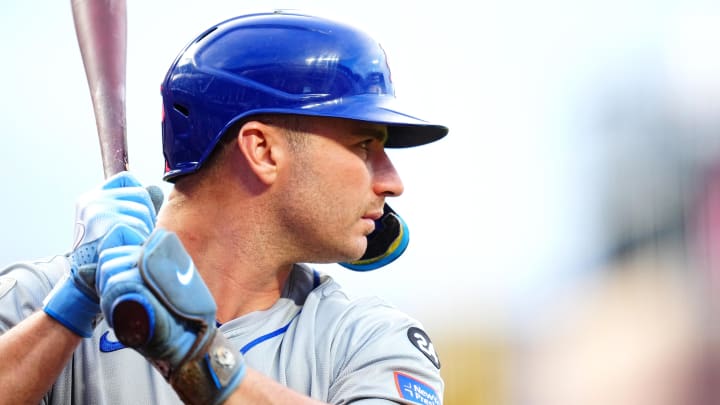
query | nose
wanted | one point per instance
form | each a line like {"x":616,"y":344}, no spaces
{"x":386,"y":180}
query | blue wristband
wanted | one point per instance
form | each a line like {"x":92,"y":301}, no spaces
{"x":73,"y":309}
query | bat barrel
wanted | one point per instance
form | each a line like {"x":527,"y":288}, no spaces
{"x":101,"y":28}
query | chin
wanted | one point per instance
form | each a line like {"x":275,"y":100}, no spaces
{"x":353,"y":251}
{"x":338,"y":256}
{"x":360,"y":249}
{"x":340,"y":251}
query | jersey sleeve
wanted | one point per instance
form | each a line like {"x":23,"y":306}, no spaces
{"x":383,"y":356}
{"x":24,"y":286}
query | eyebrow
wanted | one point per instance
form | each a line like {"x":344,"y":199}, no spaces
{"x":376,"y":133}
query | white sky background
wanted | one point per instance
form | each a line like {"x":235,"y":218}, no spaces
{"x":503,"y":208}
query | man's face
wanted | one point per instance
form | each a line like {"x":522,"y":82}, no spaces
{"x":336,"y":188}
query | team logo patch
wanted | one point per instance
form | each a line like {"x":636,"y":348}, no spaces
{"x":6,"y":284}
{"x":415,"y":390}
{"x":421,"y":340}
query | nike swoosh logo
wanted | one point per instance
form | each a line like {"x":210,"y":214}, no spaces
{"x":79,"y":234}
{"x":185,"y":277}
{"x":107,"y":345}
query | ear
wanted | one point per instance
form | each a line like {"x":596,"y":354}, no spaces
{"x":259,"y":144}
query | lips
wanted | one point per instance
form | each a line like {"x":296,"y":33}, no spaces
{"x":371,"y":217}
{"x":374,"y":215}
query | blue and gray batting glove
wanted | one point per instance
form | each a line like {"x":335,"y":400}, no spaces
{"x":157,"y":303}
{"x":74,"y":301}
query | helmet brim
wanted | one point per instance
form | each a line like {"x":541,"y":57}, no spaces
{"x":404,"y":130}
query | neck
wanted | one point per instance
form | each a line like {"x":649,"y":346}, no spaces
{"x":230,"y":249}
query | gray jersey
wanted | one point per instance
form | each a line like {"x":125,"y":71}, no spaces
{"x":314,"y":340}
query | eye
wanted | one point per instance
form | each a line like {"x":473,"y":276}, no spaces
{"x":366,"y":144}
{"x":363,"y":148}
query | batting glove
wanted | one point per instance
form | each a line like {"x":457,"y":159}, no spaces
{"x":121,"y":199}
{"x":157,"y":303}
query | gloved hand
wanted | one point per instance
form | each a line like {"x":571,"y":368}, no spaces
{"x":121,"y":199}
{"x":157,"y":303}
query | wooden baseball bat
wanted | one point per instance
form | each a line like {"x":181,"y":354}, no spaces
{"x":101,"y":28}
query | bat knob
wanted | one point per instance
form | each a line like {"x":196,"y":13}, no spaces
{"x":133,"y":320}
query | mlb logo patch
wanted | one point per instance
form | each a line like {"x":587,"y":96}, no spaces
{"x":415,"y":390}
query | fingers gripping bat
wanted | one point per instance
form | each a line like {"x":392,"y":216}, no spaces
{"x":101,"y":28}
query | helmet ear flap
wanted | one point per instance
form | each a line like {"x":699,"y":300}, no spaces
{"x":385,"y":244}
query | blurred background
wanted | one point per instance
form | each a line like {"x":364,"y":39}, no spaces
{"x":565,"y":236}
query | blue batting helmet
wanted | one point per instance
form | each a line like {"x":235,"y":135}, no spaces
{"x":282,"y":63}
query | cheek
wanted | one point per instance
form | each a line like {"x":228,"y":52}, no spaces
{"x":336,"y":191}
{"x":346,"y":170}
{"x":333,"y":177}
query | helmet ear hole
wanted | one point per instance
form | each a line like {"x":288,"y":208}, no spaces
{"x":181,"y":109}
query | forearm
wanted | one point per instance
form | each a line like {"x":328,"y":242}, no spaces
{"x":33,"y":354}
{"x":261,"y":390}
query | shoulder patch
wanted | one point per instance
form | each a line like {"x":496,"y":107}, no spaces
{"x":6,"y":284}
{"x":421,"y":340}
{"x":415,"y":390}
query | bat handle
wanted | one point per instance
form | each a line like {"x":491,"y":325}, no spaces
{"x":133,"y":319}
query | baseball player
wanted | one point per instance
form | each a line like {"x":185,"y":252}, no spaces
{"x":274,"y":134}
